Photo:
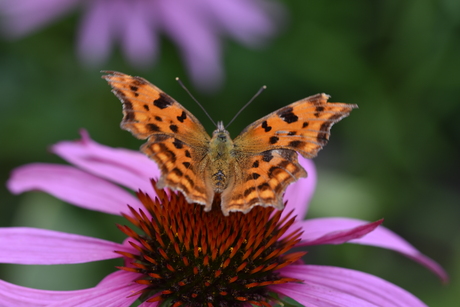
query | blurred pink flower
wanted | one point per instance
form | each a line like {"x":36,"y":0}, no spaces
{"x":92,"y":185}
{"x":195,"y":26}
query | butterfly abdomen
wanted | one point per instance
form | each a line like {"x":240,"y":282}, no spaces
{"x":220,"y":149}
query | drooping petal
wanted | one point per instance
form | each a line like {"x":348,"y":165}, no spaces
{"x":256,"y":19}
{"x":201,"y":51}
{"x":96,"y":33}
{"x":299,"y":194}
{"x":20,"y":17}
{"x":73,"y":186}
{"x":17,"y":296}
{"x":22,"y":245}
{"x":129,"y":168}
{"x":385,"y":238}
{"x":115,"y":290}
{"x":318,"y":231}
{"x":139,"y":37}
{"x":333,"y":286}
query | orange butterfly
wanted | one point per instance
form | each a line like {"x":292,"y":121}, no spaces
{"x":252,"y":170}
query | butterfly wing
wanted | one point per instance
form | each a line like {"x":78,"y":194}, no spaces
{"x":177,"y":141}
{"x":262,"y":181}
{"x":267,"y":150}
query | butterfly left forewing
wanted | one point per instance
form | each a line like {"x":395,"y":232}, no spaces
{"x":303,"y":126}
{"x":147,"y":110}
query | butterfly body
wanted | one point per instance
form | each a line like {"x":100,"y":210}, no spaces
{"x":254,"y":169}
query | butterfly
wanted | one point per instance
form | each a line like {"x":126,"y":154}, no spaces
{"x":254,"y":169}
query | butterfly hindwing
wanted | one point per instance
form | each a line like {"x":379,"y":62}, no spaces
{"x":264,"y":178}
{"x":179,"y":165}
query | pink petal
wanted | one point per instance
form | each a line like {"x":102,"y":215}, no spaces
{"x":333,"y":286}
{"x":315,"y":229}
{"x":96,"y":33}
{"x":73,"y":186}
{"x":318,"y":231}
{"x":21,"y":17}
{"x":254,"y":20}
{"x":126,"y":167}
{"x":385,"y":238}
{"x":201,"y":51}
{"x":115,"y":290}
{"x":299,"y":194}
{"x":17,"y":296}
{"x":21,"y":245}
{"x":138,"y":35}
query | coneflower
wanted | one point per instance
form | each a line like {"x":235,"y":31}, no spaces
{"x":182,"y":256}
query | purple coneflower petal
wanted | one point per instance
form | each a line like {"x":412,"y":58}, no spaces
{"x":201,"y":50}
{"x":22,"y":245}
{"x":333,"y":286}
{"x":116,"y":287}
{"x":316,"y":229}
{"x":73,"y":186}
{"x":24,"y":16}
{"x":326,"y":234}
{"x":96,"y":34}
{"x":126,"y":167}
{"x":139,"y":35}
{"x":254,"y":24}
{"x":115,"y":290}
{"x":299,"y":194}
{"x":13,"y":295}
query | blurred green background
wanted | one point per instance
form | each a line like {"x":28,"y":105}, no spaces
{"x":396,"y":157}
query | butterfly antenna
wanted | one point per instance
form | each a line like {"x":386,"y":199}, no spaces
{"x":248,"y":103}
{"x":190,"y":94}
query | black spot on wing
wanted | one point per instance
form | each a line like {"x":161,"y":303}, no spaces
{"x":146,"y":107}
{"x":295,"y":144}
{"x":178,"y":144}
{"x":266,"y":126}
{"x":182,"y":117}
{"x":163,"y":101}
{"x":305,"y":124}
{"x":153,"y":128}
{"x":158,"y":118}
{"x":173,"y":128}
{"x":273,"y":140}
{"x":287,"y":115}
{"x":186,"y":164}
{"x":187,"y":154}
{"x":267,"y":156}
{"x":255,"y":164}
{"x":264,"y":186}
{"x":318,"y":111}
{"x":128,"y":106}
{"x":177,"y":171}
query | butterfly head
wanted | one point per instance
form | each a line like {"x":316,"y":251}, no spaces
{"x":220,"y":133}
